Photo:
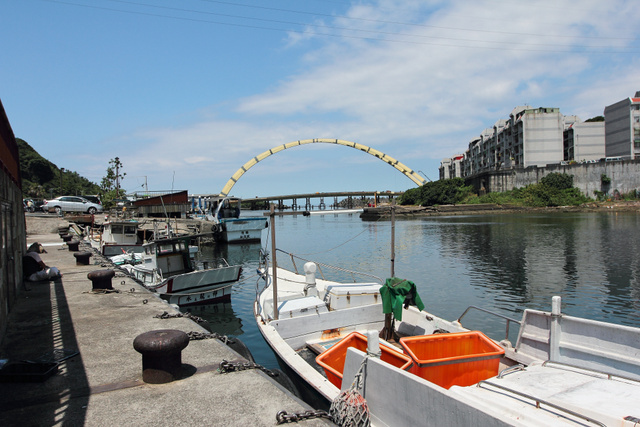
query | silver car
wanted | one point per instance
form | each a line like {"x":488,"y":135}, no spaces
{"x":71,"y":204}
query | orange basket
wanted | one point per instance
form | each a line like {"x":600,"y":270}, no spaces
{"x":461,"y":358}
{"x":333,"y":359}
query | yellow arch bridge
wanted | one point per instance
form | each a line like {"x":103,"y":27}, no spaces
{"x":413,"y":176}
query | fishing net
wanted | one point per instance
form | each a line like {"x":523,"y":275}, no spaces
{"x":349,"y":408}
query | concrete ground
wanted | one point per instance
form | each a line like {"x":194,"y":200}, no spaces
{"x":102,"y":384}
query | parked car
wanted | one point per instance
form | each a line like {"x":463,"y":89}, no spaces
{"x":71,"y":204}
{"x":93,"y":199}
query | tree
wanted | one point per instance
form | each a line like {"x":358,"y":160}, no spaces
{"x":595,"y":119}
{"x":110,"y":184}
{"x":560,"y":181}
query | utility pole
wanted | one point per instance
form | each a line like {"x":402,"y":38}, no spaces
{"x":61,"y":171}
{"x":117,"y":178}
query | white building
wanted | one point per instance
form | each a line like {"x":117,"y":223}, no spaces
{"x":583,"y":141}
{"x":622,"y":128}
{"x":451,"y":168}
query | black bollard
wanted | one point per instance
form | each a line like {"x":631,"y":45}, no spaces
{"x":73,"y":245}
{"x":82,"y":258}
{"x":101,"y":279}
{"x":161,"y":354}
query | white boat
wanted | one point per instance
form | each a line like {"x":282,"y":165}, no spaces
{"x":229,"y":226}
{"x":563,"y":370}
{"x":118,"y":236}
{"x":168,"y":269}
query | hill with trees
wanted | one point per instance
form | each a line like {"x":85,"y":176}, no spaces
{"x":42,"y":179}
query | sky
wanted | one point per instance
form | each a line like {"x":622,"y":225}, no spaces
{"x":186,"y":92}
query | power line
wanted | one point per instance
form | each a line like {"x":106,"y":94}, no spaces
{"x":503,"y":45}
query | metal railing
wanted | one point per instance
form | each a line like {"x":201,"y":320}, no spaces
{"x":508,"y":319}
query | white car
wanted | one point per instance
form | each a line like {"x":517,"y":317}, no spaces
{"x":71,"y":204}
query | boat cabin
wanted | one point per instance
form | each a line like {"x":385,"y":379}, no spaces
{"x":119,"y":237}
{"x":169,"y":256}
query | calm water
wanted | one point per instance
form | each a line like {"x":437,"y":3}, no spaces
{"x":504,"y":263}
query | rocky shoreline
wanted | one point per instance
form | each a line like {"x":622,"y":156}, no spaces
{"x":483,"y":209}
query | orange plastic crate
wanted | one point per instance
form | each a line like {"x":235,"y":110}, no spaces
{"x":462,"y":358}
{"x":333,"y":359}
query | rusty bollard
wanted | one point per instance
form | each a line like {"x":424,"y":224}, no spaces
{"x":101,"y":279}
{"x":82,"y":258}
{"x":67,"y":237}
{"x":161,"y":354}
{"x":73,"y":245}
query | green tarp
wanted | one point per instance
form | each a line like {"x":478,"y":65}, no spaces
{"x":396,"y":292}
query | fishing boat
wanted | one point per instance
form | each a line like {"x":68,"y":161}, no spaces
{"x":228,"y":226}
{"x":168,"y":268}
{"x":117,"y":236}
{"x":410,"y":367}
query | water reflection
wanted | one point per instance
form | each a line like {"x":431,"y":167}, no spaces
{"x":221,"y":317}
{"x":503,"y":263}
{"x":522,"y":260}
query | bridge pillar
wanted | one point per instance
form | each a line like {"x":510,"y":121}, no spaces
{"x":349,"y":202}
{"x":322,"y":205}
{"x":294,"y":204}
{"x":307,"y":204}
{"x":280,"y":204}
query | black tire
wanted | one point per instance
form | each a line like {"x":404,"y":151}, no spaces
{"x":92,"y":210}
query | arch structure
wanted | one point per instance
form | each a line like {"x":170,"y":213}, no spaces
{"x":413,"y":176}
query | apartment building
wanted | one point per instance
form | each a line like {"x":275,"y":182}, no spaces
{"x":622,"y":128}
{"x":583,"y":141}
{"x":451,"y":168}
{"x":530,"y":137}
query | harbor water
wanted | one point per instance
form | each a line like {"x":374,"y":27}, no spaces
{"x":503,"y":263}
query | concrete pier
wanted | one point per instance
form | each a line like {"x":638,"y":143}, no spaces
{"x":102,"y":384}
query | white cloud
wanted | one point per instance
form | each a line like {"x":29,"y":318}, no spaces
{"x":418,"y":92}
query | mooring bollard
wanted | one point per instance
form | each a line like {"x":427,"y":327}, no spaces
{"x":82,"y":258}
{"x":101,"y":279}
{"x":73,"y":245}
{"x":67,"y":237}
{"x":161,"y":354}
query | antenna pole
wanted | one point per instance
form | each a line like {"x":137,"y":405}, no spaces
{"x":393,"y":238}
{"x":274,"y":271}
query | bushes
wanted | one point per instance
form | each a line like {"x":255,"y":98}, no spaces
{"x":442,"y":192}
{"x":555,"y":189}
{"x":560,"y":181}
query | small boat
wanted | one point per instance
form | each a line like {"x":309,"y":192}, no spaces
{"x":168,"y":268}
{"x":412,"y":368}
{"x":228,"y":226}
{"x":117,"y":236}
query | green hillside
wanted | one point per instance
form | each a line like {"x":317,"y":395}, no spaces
{"x":41,"y":179}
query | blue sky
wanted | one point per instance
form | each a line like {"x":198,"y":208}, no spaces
{"x":185,"y":92}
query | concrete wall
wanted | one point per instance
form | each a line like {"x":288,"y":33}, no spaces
{"x":625,"y":177}
{"x":12,"y":224}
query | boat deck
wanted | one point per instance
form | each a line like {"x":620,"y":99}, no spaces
{"x":568,"y":392}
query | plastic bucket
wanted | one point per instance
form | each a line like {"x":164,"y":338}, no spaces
{"x":462,"y":358}
{"x":333,"y":359}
